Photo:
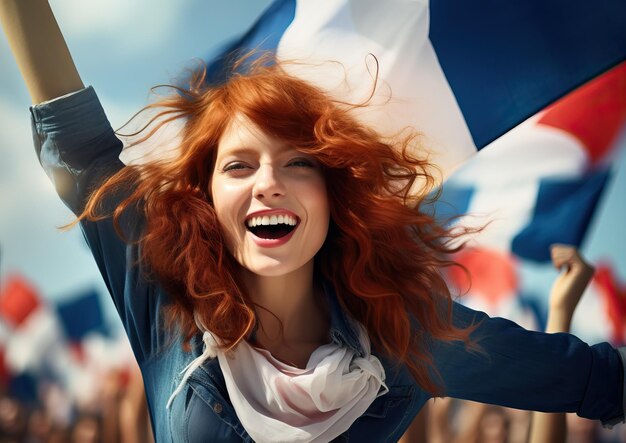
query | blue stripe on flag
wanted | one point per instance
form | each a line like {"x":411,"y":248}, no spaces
{"x":264,"y":35}
{"x":453,"y":201}
{"x":562,"y":213}
{"x":505,"y":61}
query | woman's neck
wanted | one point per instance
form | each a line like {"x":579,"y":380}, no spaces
{"x":290,"y":310}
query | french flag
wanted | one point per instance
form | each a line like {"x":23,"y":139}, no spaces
{"x":33,"y":332}
{"x":31,"y":339}
{"x":461,"y":73}
{"x":540,"y":184}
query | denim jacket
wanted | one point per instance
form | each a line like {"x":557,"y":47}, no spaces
{"x":515,"y":367}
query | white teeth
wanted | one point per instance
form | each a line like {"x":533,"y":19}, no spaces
{"x":282,"y":219}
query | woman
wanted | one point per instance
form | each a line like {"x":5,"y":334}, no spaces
{"x":277,"y":280}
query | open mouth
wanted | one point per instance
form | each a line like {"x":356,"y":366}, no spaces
{"x":271,"y":227}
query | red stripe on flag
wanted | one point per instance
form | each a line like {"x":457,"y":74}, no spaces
{"x":594,"y":113}
{"x":18,"y":300}
{"x":614,"y":295}
{"x":492,"y":274}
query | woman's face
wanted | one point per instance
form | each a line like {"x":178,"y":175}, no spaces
{"x":270,"y":200}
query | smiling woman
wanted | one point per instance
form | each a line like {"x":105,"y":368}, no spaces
{"x":279,"y":280}
{"x":252,"y":147}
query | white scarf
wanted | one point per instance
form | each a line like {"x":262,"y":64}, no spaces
{"x":276,"y":402}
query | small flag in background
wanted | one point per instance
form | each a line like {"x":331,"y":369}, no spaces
{"x":81,"y":315}
{"x":18,"y":299}
{"x":33,"y":330}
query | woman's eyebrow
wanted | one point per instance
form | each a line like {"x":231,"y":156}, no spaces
{"x":247,"y":150}
{"x":240,"y":150}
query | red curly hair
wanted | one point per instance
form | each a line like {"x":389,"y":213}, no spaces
{"x":382,"y":255}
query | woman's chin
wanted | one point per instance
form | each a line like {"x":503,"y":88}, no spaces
{"x":272,"y":267}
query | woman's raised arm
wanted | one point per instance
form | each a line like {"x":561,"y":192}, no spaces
{"x":39,"y":48}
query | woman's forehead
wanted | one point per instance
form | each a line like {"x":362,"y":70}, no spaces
{"x":242,"y":135}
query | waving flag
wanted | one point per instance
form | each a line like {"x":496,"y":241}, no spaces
{"x":537,"y":185}
{"x":540,"y":183}
{"x":461,"y":73}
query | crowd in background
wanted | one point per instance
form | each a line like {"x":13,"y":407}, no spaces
{"x":118,"y":413}
{"x":111,"y":406}
{"x":121,"y":416}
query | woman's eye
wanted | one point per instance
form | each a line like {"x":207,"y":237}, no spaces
{"x":235,"y":166}
{"x":301,"y":163}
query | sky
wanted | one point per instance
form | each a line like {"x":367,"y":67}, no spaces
{"x":123,"y":48}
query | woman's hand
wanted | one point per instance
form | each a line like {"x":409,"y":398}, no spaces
{"x":568,"y":287}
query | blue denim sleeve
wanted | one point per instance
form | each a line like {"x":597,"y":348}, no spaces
{"x":514,"y":367}
{"x":75,"y":144}
{"x":78,"y":150}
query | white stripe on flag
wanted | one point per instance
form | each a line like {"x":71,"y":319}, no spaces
{"x":36,"y":339}
{"x":396,"y":32}
{"x":506,"y":176}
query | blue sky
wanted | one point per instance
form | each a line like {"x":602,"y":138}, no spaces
{"x":123,"y":48}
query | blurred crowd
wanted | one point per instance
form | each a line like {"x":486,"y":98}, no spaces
{"x":446,"y":420}
{"x":121,"y":416}
{"x":92,"y":391}
{"x":117,"y":414}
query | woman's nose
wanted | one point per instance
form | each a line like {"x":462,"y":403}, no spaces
{"x":268,"y":183}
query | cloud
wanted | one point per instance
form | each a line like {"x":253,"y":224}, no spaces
{"x":135,"y":26}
